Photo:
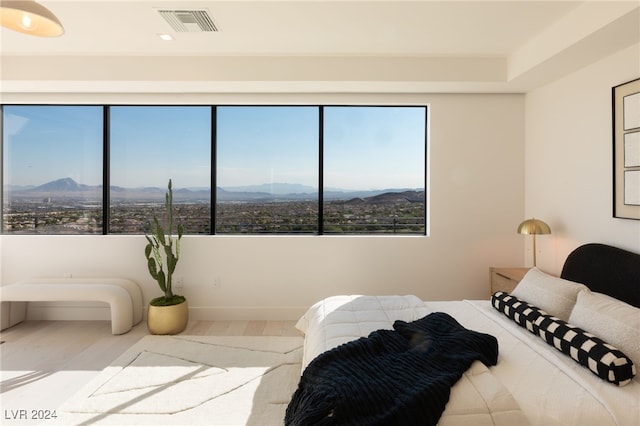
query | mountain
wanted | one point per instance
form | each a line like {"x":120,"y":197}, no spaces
{"x":276,"y":188}
{"x":271,"y":192}
{"x":397,"y":197}
{"x":155,"y":194}
{"x":64,"y":185}
{"x":223,"y":194}
{"x":390,"y":198}
{"x":10,"y":187}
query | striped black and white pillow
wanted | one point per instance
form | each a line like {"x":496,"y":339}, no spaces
{"x":603,"y":359}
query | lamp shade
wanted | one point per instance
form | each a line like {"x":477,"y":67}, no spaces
{"x":533,"y":227}
{"x":29,"y":17}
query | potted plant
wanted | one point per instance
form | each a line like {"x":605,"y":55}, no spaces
{"x":167,"y":314}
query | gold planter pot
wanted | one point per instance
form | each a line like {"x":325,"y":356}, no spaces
{"x":167,"y":319}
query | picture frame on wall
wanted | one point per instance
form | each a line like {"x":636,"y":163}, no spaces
{"x":626,"y":150}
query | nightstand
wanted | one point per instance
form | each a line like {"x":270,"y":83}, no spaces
{"x":506,"y":279}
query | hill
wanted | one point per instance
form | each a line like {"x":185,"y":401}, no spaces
{"x":67,"y":188}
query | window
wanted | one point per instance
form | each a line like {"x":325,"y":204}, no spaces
{"x":374,"y":170}
{"x":149,"y":145}
{"x":52,"y":169}
{"x":267,"y":170}
{"x":274,"y":169}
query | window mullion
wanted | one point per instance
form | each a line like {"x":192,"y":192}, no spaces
{"x":321,"y":170}
{"x":214,"y":169}
{"x":106,"y":177}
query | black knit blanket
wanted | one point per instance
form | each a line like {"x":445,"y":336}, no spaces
{"x":392,"y":377}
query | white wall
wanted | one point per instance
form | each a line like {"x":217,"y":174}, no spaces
{"x":476,"y":202}
{"x":569,"y":157}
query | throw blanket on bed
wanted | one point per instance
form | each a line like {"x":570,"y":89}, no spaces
{"x":401,"y":376}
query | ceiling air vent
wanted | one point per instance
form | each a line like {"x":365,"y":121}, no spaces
{"x":189,"y":21}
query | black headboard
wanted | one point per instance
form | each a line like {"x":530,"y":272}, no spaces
{"x":605,"y":269}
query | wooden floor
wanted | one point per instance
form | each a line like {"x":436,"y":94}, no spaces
{"x":43,"y":363}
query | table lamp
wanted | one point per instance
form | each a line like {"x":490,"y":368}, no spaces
{"x":534,"y":227}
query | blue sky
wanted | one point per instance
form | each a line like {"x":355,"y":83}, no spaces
{"x":150,"y":145}
{"x":51,"y":142}
{"x":259,"y":145}
{"x":374,"y":147}
{"x":364,"y":147}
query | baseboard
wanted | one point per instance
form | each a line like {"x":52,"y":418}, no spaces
{"x":238,"y":313}
{"x":100,"y":312}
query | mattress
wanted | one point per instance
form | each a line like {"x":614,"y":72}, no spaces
{"x":532,"y":382}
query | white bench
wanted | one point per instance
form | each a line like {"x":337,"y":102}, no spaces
{"x":123,"y":296}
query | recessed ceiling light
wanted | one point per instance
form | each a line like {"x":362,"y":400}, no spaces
{"x":165,"y":37}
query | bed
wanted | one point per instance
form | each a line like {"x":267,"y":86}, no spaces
{"x":540,"y":377}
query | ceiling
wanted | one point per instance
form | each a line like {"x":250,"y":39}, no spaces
{"x":317,"y":46}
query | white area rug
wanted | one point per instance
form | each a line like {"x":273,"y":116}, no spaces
{"x":189,"y":380}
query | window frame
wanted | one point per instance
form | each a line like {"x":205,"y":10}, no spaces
{"x":107,"y":155}
{"x":214,"y":171}
{"x":2,"y":156}
{"x":425,"y":200}
{"x":106,"y":164}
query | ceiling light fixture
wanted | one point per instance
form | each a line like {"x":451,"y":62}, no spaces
{"x":165,"y":37}
{"x":29,"y":17}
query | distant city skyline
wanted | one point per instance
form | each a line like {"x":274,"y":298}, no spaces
{"x":365,"y":148}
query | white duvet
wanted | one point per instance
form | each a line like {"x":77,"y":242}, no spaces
{"x":532,"y":383}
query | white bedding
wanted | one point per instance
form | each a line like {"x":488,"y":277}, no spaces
{"x":547,"y":386}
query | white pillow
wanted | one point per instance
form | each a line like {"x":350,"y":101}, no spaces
{"x":611,"y":320}
{"x":553,"y":295}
